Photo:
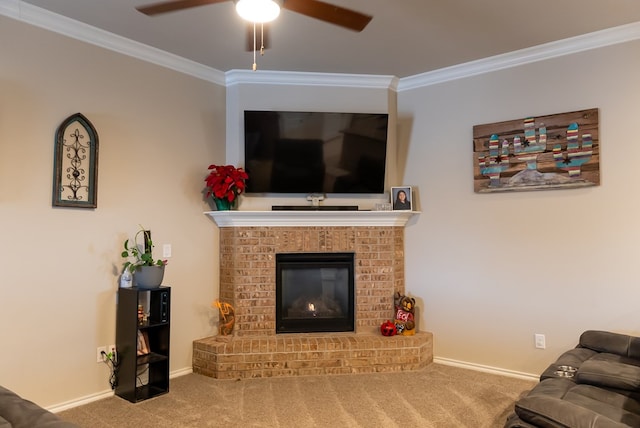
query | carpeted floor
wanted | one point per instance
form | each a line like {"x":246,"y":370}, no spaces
{"x":438,"y":396}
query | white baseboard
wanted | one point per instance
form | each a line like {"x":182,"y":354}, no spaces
{"x":486,"y":369}
{"x":104,"y":394}
{"x":181,"y":372}
{"x":187,"y":370}
{"x":80,"y":401}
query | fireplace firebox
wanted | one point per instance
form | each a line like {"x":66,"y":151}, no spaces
{"x":314,"y":292}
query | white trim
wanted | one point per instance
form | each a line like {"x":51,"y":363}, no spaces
{"x":266,"y":77}
{"x":188,"y":370}
{"x":57,"y":23}
{"x":105,"y":394}
{"x":486,"y":369}
{"x":310,"y":218}
{"x":80,"y":31}
{"x":10,"y":8}
{"x":598,"y":39}
{"x":181,"y":372}
{"x":80,"y":401}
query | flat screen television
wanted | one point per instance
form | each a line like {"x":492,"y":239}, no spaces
{"x":315,"y":152}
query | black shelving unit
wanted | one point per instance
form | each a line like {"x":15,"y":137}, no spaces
{"x":143,"y":342}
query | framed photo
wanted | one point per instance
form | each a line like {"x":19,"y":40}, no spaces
{"x":401,"y":198}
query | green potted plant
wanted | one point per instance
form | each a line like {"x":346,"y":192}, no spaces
{"x":147,"y":271}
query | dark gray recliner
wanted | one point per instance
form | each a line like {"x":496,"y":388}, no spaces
{"x":595,"y":385}
{"x":16,"y":412}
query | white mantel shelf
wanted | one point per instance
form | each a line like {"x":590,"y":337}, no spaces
{"x":310,"y":218}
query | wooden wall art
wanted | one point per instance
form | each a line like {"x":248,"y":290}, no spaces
{"x":557,"y":151}
{"x":75,"y":168}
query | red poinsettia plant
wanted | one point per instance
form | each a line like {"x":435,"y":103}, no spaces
{"x":225,"y":182}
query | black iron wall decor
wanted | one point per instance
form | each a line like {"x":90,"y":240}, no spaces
{"x":75,"y":169}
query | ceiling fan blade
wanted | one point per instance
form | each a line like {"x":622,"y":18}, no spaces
{"x":337,"y":15}
{"x":262,"y":37}
{"x":170,"y":6}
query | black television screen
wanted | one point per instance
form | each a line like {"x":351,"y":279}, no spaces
{"x":315,"y":152}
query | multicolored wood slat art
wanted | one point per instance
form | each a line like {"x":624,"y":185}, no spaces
{"x":537,"y":153}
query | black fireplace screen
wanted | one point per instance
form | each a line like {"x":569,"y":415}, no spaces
{"x":314,"y":292}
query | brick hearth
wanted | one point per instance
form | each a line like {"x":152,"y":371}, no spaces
{"x":228,"y":357}
{"x":247,"y":282}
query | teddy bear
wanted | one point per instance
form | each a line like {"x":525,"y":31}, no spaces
{"x":404,"y":317}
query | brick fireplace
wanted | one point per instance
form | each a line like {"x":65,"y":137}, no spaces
{"x":249,"y":242}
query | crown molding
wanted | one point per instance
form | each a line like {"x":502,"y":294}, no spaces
{"x":598,"y":39}
{"x":42,"y":18}
{"x":10,"y":8}
{"x":266,"y":77}
{"x":47,"y":20}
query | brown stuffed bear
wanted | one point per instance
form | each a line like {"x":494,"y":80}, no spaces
{"x":404,"y":318}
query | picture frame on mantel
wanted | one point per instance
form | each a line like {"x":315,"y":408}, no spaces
{"x":401,"y":198}
{"x":75,"y":170}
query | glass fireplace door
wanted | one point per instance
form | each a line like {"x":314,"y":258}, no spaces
{"x":314,"y":292}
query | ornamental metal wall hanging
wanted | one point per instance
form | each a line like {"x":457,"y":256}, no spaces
{"x":563,"y":152}
{"x":75,"y":170}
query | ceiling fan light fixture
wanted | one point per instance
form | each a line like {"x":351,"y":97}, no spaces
{"x":258,"y":10}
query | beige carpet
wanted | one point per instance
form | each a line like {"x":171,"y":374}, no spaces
{"x":438,"y":396}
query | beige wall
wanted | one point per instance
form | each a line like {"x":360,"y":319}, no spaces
{"x":158,"y":131}
{"x":491,"y":270}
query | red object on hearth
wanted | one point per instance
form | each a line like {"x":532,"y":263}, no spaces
{"x":388,"y":328}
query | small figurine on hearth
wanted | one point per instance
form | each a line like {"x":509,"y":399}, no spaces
{"x":405,"y":318}
{"x":388,"y":328}
{"x":227,"y":317}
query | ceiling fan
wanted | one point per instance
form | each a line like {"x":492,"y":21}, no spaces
{"x":316,"y":9}
{"x":251,"y":9}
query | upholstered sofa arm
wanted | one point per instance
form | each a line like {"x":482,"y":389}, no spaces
{"x":16,"y":412}
{"x":614,"y":343}
{"x":594,"y":385}
{"x":559,"y":403}
{"x":551,"y":412}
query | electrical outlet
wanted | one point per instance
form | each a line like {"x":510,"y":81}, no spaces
{"x":166,"y":250}
{"x":540,"y":341}
{"x":99,"y":351}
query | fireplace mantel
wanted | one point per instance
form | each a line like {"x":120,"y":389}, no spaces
{"x":249,"y":244}
{"x":310,"y":218}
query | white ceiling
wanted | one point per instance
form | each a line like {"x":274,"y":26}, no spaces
{"x":405,"y":37}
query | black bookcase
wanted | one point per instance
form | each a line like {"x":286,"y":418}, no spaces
{"x":142,"y":342}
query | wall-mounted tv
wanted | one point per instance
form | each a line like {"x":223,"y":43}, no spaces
{"x":315,"y":152}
